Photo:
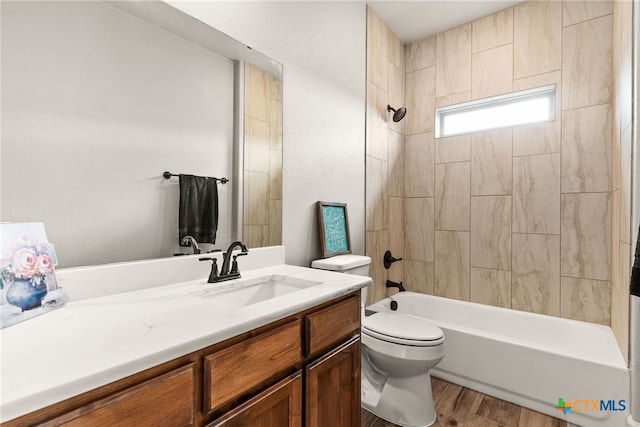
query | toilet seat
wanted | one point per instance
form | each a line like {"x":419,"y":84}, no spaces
{"x":403,"y":329}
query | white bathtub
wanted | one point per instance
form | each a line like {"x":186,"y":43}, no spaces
{"x":526,"y":358}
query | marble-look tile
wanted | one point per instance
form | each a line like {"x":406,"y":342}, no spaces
{"x":453,"y":99}
{"x":586,"y":235}
{"x":535,"y":271}
{"x":377,"y":128}
{"x":623,"y":60}
{"x":452,"y":265}
{"x":585,"y":299}
{"x":620,"y":299}
{"x":376,"y":194}
{"x":491,"y":162}
{"x":377,"y":50}
{"x":396,"y":236}
{"x":419,"y":165}
{"x":257,"y":93}
{"x":587,"y":51}
{"x":275,"y":222}
{"x":491,"y":232}
{"x":492,"y":72}
{"x":539,"y":80}
{"x":420,"y":100}
{"x":418,"y":276}
{"x":625,"y":185}
{"x":275,"y":122}
{"x":421,"y":54}
{"x":586,"y":148}
{"x":453,"y":149}
{"x":539,"y":138}
{"x":256,"y":147}
{"x":256,"y":198}
{"x":615,"y":237}
{"x":395,"y":165}
{"x":255,"y":236}
{"x":453,"y":60}
{"x":492,"y":31}
{"x":275,"y":174}
{"x":453,"y":194}
{"x":491,"y":287}
{"x":620,"y":320}
{"x":396,"y":95}
{"x":615,"y":152}
{"x":576,"y":11}
{"x":396,"y":51}
{"x":276,"y":89}
{"x":537,"y":38}
{"x":418,"y":229}
{"x":536,"y":194}
{"x":375,"y":245}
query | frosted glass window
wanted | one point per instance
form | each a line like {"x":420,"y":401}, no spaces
{"x":517,"y":108}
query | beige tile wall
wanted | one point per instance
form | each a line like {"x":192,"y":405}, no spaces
{"x":620,"y":170}
{"x":522,"y":217}
{"x":385,"y":156}
{"x":262,"y":209}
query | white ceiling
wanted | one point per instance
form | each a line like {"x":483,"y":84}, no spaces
{"x":418,"y":20}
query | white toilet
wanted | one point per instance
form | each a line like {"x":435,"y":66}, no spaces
{"x":398,"y":351}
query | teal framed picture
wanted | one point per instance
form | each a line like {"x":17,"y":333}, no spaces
{"x":333,"y":228}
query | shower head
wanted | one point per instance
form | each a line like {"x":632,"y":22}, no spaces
{"x":397,"y":114}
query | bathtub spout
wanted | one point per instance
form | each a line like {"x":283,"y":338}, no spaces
{"x":391,"y":284}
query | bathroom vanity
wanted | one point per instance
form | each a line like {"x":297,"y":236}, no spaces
{"x":292,"y":358}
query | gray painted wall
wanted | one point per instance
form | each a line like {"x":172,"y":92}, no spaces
{"x":322,"y":46}
{"x":96,"y":104}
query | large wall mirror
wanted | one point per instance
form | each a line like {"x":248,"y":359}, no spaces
{"x":100,"y":98}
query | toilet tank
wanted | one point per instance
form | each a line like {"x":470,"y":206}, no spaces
{"x":350,"y":264}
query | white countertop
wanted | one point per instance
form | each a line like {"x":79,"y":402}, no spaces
{"x":92,"y":342}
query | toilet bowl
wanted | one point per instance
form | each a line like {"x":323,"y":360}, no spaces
{"x":398,"y":351}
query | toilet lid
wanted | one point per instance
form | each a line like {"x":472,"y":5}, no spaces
{"x":401,"y":328}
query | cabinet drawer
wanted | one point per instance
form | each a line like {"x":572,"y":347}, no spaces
{"x":235,"y":370}
{"x":279,"y":405}
{"x":164,"y":400}
{"x":331,"y":325}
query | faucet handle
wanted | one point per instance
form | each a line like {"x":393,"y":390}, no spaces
{"x":234,"y":263}
{"x":214,"y":268}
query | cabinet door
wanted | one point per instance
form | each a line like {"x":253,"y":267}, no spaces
{"x":164,"y":400}
{"x":333,"y":387}
{"x":278,"y":406}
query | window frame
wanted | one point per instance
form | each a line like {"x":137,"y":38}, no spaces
{"x":442,"y":113}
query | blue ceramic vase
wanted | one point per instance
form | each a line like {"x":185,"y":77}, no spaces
{"x":25,"y":294}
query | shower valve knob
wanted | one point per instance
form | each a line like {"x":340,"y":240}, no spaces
{"x":389,"y":259}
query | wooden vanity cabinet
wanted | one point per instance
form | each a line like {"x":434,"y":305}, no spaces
{"x":330,"y":372}
{"x":168,"y":399}
{"x":278,"y":406}
{"x":333,"y":387}
{"x":301,"y":370}
{"x":236,"y":370}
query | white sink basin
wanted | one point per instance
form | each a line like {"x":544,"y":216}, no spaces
{"x":245,"y":292}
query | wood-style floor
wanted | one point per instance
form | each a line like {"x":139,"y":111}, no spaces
{"x":462,"y":407}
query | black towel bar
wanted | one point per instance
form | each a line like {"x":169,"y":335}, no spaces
{"x":168,"y":175}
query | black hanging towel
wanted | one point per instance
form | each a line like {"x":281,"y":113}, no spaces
{"x":635,"y":271}
{"x":198,"y":211}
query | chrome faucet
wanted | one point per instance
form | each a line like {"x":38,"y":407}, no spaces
{"x":190,"y":241}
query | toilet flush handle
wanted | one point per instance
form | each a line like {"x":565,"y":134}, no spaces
{"x":389,"y":259}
